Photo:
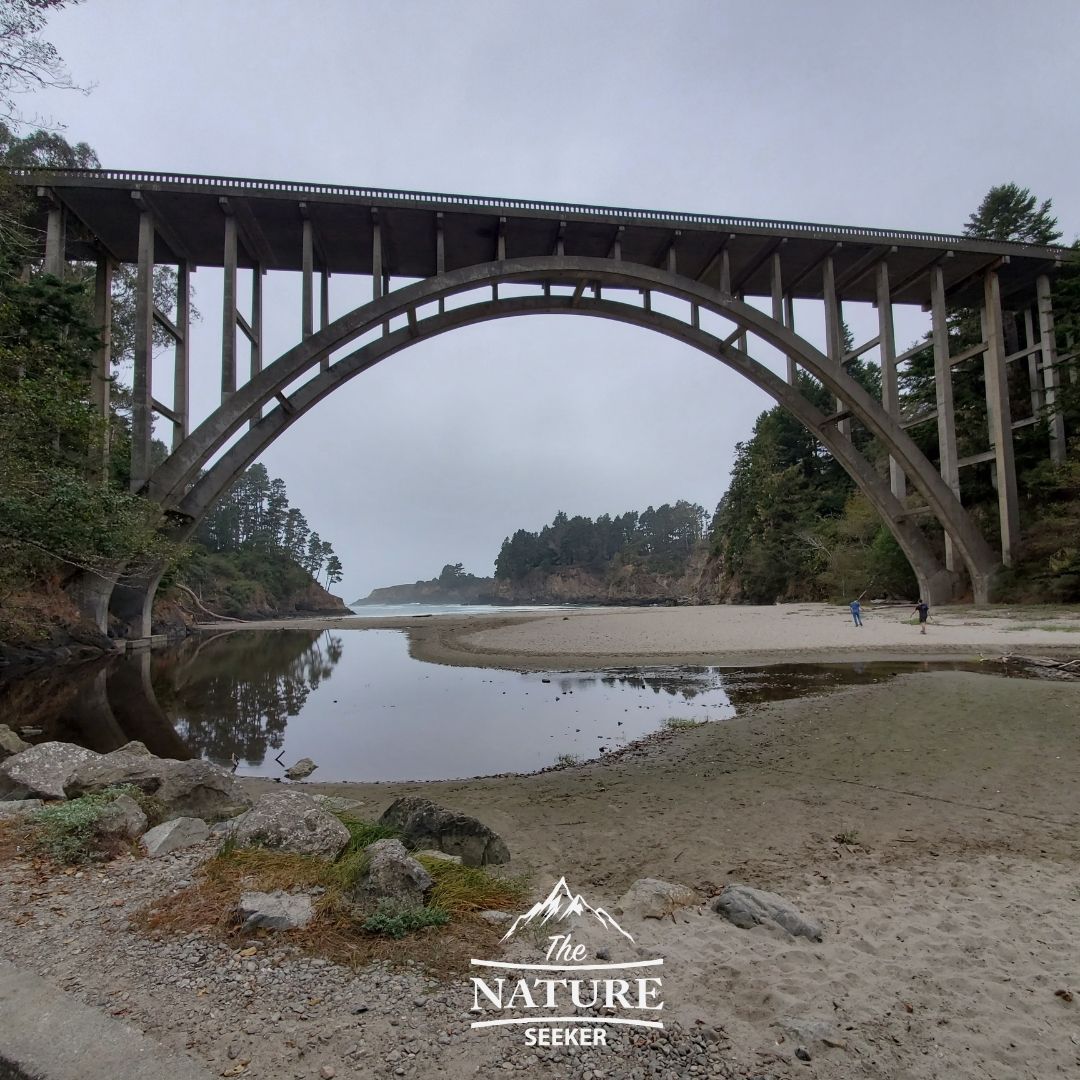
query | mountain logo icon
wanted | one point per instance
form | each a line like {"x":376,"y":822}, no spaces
{"x":561,"y":904}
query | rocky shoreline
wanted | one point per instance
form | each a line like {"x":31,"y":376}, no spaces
{"x":259,"y":1005}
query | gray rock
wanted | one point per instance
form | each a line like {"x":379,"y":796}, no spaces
{"x":42,"y":771}
{"x":392,"y":875}
{"x":440,"y":855}
{"x":650,"y":898}
{"x":10,"y":743}
{"x":807,"y":1029}
{"x":122,"y":817}
{"x":290,"y":821}
{"x":426,"y":823}
{"x":747,"y":907}
{"x":17,"y":808}
{"x":184,"y":788}
{"x":496,"y":918}
{"x":133,"y":748}
{"x":275,"y":911}
{"x":336,"y":804}
{"x":301,"y":770}
{"x":173,"y":835}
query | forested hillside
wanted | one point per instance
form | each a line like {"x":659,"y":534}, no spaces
{"x":791,"y":525}
{"x":633,"y":557}
{"x":256,"y":555}
{"x":65,"y":508}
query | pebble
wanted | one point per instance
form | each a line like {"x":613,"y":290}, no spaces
{"x":282,"y":1011}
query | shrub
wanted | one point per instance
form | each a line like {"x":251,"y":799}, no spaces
{"x":396,"y":922}
{"x":67,"y":831}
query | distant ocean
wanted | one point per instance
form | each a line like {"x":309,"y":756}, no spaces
{"x":404,"y":611}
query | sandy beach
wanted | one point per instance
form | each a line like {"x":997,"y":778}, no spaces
{"x":931,"y":823}
{"x":717,"y":635}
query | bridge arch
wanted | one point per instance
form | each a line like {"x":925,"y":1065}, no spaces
{"x":187,"y":488}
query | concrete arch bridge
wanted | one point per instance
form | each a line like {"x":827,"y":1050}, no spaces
{"x":437,"y":262}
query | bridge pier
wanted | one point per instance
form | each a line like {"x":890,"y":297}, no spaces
{"x":132,"y":602}
{"x":91,"y":591}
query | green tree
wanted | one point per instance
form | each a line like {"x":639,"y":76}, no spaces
{"x":334,"y":571}
{"x":1010,"y":212}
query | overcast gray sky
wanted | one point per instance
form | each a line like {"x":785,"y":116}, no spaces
{"x":894,"y":115}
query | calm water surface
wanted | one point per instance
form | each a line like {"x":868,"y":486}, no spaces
{"x":360,"y":707}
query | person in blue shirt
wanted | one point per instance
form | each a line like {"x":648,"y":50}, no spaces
{"x":924,"y":613}
{"x":856,"y":612}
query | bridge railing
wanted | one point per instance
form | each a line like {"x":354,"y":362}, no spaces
{"x":495,"y":205}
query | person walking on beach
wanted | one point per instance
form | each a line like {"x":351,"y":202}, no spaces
{"x":923,"y":608}
{"x":856,"y":613}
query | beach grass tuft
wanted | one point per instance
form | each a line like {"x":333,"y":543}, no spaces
{"x":462,"y":889}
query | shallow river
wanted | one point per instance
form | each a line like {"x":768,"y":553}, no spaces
{"x":357,"y":704}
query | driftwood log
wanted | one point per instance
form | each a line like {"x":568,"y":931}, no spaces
{"x":1046,"y":666}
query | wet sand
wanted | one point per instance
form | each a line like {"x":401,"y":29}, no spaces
{"x":951,"y":911}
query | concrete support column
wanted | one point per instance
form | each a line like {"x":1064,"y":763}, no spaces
{"x":132,"y":601}
{"x":1035,"y":387}
{"x":440,"y":253}
{"x":307,"y":304}
{"x":101,"y":376}
{"x":1000,"y":418}
{"x":228,"y":313}
{"x":946,"y":423}
{"x":1050,"y":375}
{"x":56,"y":242}
{"x":256,"y":328}
{"x":90,"y":591}
{"x":142,"y":404}
{"x":376,"y":256}
{"x":890,"y":389}
{"x":378,"y":278}
{"x":324,"y":311}
{"x":834,"y":338}
{"x":777,"y":288}
{"x":181,"y":373}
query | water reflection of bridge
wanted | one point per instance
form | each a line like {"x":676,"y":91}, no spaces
{"x":201,"y":699}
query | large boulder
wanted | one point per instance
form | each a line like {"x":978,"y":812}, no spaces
{"x":42,"y":771}
{"x":275,"y":911}
{"x":747,"y":908}
{"x":650,"y":898}
{"x":183,"y":788}
{"x":290,"y":821}
{"x":424,"y":823}
{"x":392,"y":876}
{"x":169,"y":836}
{"x":10,"y":743}
{"x":301,"y":770}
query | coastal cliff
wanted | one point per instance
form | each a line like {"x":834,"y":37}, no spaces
{"x":626,"y":584}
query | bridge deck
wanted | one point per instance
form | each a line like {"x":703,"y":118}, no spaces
{"x":190,"y":211}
